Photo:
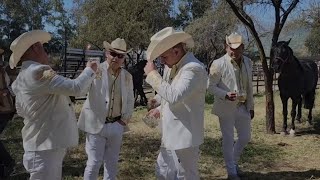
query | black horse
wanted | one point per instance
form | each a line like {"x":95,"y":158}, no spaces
{"x":137,"y":73}
{"x":297,"y":80}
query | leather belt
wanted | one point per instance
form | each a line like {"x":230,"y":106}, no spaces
{"x":112,"y":119}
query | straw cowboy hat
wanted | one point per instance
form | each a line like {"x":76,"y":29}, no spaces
{"x":234,"y":40}
{"x":166,"y":39}
{"x":118,"y":45}
{"x":22,"y":43}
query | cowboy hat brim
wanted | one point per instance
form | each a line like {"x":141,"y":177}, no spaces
{"x":158,"y":47}
{"x":235,"y":45}
{"x":236,"y":42}
{"x":22,"y":43}
{"x":108,"y":47}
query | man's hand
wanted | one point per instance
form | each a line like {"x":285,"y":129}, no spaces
{"x":154,"y":113}
{"x":152,"y":103}
{"x":231,"y":96}
{"x":149,"y":67}
{"x":93,"y":65}
{"x":252,"y":114}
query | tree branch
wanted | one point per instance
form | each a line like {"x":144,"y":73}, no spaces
{"x":245,"y":18}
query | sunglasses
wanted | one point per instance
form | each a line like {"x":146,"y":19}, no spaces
{"x":113,"y":54}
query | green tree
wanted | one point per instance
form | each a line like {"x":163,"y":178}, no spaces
{"x":311,"y":19}
{"x":134,"y":21}
{"x":189,"y":10}
{"x":209,"y":32}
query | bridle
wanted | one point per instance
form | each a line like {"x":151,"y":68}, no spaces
{"x":284,"y":61}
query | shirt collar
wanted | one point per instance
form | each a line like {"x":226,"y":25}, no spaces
{"x":229,"y":59}
{"x":180,"y":63}
{"x":29,"y":62}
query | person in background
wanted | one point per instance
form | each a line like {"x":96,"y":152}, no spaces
{"x":231,"y":84}
{"x":7,"y":111}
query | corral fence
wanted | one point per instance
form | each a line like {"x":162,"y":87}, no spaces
{"x":74,"y":61}
{"x":258,"y":75}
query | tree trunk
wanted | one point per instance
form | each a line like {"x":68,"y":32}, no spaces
{"x":270,"y":122}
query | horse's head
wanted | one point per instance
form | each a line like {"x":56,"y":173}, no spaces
{"x":280,"y":55}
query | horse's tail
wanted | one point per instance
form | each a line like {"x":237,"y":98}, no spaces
{"x":308,"y":99}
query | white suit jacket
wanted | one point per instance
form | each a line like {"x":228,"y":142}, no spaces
{"x":95,"y":108}
{"x":42,"y":100}
{"x":182,"y":103}
{"x":222,"y":80}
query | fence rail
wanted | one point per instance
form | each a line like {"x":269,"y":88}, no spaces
{"x":258,"y":78}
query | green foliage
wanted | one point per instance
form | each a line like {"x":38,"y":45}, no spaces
{"x":189,"y":10}
{"x":313,"y":41}
{"x":209,"y":32}
{"x":312,"y":19}
{"x":24,"y":15}
{"x":132,"y":20}
{"x":209,"y":98}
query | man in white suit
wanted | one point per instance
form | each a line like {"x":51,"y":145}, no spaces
{"x":42,"y":100}
{"x":181,"y":95}
{"x":106,"y":112}
{"x":230,"y":82}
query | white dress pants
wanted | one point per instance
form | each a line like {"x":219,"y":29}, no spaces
{"x":44,"y":165}
{"x":178,"y":164}
{"x":240,"y":119}
{"x":103,"y":148}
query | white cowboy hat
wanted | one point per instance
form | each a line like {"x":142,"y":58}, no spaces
{"x":166,"y":39}
{"x":1,"y":51}
{"x":118,"y":46}
{"x":22,"y":43}
{"x":234,"y":40}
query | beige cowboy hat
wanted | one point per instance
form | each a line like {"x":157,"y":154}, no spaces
{"x":166,"y":39}
{"x":234,"y":40}
{"x":118,"y":46}
{"x":1,"y":51}
{"x":22,"y":43}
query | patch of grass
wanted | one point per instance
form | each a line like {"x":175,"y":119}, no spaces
{"x":209,"y":98}
{"x":266,"y":156}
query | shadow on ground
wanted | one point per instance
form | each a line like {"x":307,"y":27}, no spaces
{"x":315,"y":130}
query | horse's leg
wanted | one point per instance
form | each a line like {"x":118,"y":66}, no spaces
{"x":299,"y":110}
{"x":135,"y":96}
{"x":310,"y":99}
{"x":284,"y":100}
{"x":309,"y":122}
{"x":143,"y":99}
{"x":295,"y":102}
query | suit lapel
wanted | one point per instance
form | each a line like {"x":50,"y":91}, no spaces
{"x":123,"y":90}
{"x":105,"y":81}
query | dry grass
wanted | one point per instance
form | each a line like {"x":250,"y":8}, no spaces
{"x":266,"y":157}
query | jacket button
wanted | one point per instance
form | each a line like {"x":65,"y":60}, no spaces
{"x":69,"y":104}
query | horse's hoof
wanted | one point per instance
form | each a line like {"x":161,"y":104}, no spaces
{"x":292,"y":133}
{"x":308,"y":124}
{"x":283,"y":133}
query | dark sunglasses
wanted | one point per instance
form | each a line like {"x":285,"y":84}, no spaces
{"x":113,"y":54}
